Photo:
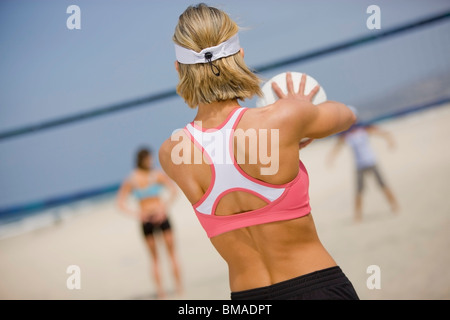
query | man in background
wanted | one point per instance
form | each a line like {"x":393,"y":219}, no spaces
{"x":357,"y":137}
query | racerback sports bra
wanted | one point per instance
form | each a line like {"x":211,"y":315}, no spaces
{"x":284,"y":202}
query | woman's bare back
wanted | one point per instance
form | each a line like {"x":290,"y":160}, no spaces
{"x":263,"y":254}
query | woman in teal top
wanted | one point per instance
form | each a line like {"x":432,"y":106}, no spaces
{"x":146,"y":184}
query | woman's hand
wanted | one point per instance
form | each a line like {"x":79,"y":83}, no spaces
{"x":300,"y":95}
{"x":156,"y":215}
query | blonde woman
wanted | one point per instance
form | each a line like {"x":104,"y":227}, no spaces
{"x":256,"y":214}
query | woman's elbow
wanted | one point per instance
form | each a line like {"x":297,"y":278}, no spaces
{"x":348,"y":116}
{"x":120,"y":203}
{"x":352,"y":117}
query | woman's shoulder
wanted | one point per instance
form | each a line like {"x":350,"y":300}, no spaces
{"x":130,"y":179}
{"x":158,"y":174}
{"x":170,"y":152}
{"x":169,"y":144}
{"x":282,"y":112}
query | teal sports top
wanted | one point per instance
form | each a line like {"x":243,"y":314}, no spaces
{"x":154,"y":189}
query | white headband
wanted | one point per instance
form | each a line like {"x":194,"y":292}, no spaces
{"x":225,"y":49}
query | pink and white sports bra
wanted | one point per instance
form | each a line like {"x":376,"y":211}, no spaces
{"x":284,"y":202}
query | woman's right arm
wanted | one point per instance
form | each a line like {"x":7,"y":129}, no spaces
{"x":122,"y":197}
{"x":306,"y":120}
{"x":326,"y":119}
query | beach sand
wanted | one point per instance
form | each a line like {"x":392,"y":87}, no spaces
{"x":410,"y":248}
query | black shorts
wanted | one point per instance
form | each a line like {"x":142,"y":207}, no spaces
{"x":326,"y":284}
{"x":360,"y":177}
{"x":148,"y":227}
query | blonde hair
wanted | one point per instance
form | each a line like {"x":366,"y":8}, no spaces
{"x":201,"y":27}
